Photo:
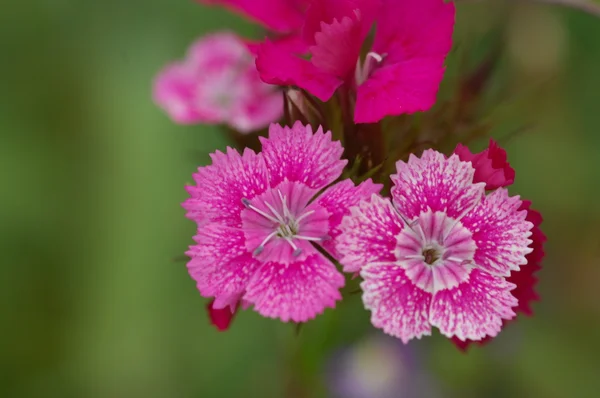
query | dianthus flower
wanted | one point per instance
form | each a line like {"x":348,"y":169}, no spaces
{"x":400,"y":74}
{"x":492,"y":168}
{"x":260,"y":217}
{"x":218,"y":83}
{"x":439,"y":253}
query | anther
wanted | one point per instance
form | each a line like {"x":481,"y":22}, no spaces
{"x":258,"y":250}
{"x":245,"y":202}
{"x":297,"y":252}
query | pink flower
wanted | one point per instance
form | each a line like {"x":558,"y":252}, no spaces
{"x":439,"y":254}
{"x":490,"y":165}
{"x":282,"y":16}
{"x":218,"y":83}
{"x":259,"y":218}
{"x":401,"y":73}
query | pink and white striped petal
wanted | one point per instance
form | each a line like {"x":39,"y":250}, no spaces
{"x":296,"y":291}
{"x":369,"y":234}
{"x":296,"y":154}
{"x":397,"y":306}
{"x":500,"y":232}
{"x":220,"y":263}
{"x":474,"y":309}
{"x":437,"y":183}
{"x":220,"y":187}
{"x":436,"y":252}
{"x":338,"y":199}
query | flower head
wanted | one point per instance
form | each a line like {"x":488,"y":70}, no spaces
{"x":439,"y":253}
{"x":400,"y":74}
{"x":259,"y":218}
{"x":218,"y":83}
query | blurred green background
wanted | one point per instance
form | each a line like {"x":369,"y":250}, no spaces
{"x":91,"y":300}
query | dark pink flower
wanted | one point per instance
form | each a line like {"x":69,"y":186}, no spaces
{"x":282,"y":16}
{"x":221,"y":317}
{"x":491,"y":165}
{"x":400,"y":74}
{"x":439,"y":254}
{"x":259,"y":218}
{"x":218,"y":83}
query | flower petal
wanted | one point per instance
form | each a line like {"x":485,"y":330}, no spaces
{"x":369,"y":234}
{"x":474,"y":309}
{"x":336,"y":29}
{"x":413,"y":39}
{"x":406,"y":87}
{"x":414,"y":29}
{"x":338,"y":199}
{"x":296,"y":154}
{"x":490,"y":165}
{"x":279,"y":63}
{"x":325,"y":11}
{"x":220,"y":187}
{"x":524,"y":279}
{"x":220,"y":263}
{"x":220,"y":317}
{"x":500,"y":232}
{"x":397,"y":306}
{"x":436,"y":183}
{"x":296,"y":291}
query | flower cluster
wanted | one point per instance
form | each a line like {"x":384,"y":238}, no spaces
{"x":356,"y":185}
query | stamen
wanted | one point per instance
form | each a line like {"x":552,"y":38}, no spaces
{"x":277,"y":215}
{"x":286,"y":211}
{"x":261,"y":247}
{"x":311,"y":238}
{"x":308,"y":213}
{"x":248,"y":205}
{"x":375,"y":56}
{"x":297,"y":250}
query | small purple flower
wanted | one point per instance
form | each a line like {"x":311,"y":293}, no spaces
{"x":439,"y":253}
{"x":259,"y":218}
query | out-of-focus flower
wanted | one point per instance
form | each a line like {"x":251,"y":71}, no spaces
{"x":400,"y":74}
{"x":439,"y":254}
{"x":379,"y":367}
{"x":282,"y":16}
{"x":218,"y":83}
{"x":493,"y":169}
{"x":490,"y":165}
{"x":259,"y":216}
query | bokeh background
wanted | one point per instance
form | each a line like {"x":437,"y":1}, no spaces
{"x":93,"y":299}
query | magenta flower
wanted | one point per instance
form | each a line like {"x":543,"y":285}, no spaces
{"x":400,"y":74}
{"x":439,"y":254}
{"x":491,"y":165}
{"x":282,"y":16}
{"x":218,"y":83}
{"x":259,"y":218}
